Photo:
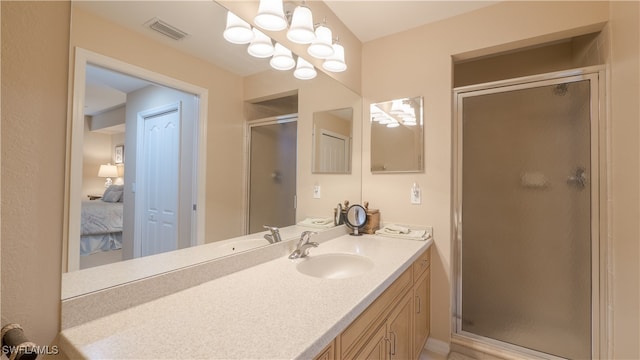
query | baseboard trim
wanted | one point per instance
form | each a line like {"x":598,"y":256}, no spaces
{"x":437,"y":346}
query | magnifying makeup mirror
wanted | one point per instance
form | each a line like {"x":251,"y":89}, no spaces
{"x":355,"y":219}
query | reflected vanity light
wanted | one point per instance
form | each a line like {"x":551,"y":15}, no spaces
{"x":282,"y":58}
{"x":335,"y":62}
{"x":108,"y":171}
{"x":237,"y":30}
{"x":270,"y":15}
{"x":321,"y":47}
{"x":301,"y":29}
{"x":261,"y":45}
{"x":304,"y":70}
{"x":401,"y":112}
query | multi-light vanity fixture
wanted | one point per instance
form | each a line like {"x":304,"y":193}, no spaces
{"x":394,"y":113}
{"x":302,"y":30}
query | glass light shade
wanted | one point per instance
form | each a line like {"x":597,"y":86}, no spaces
{"x":396,"y":107}
{"x":335,"y":62}
{"x":261,"y":45}
{"x":321,"y":47}
{"x":282,"y":58}
{"x":301,"y":29}
{"x":237,"y":31}
{"x":304,"y":70}
{"x":386,"y":120}
{"x":270,"y":15}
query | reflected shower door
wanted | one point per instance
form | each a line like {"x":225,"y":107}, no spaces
{"x":272,"y":174}
{"x":525,"y":242}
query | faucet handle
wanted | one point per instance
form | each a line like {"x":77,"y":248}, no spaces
{"x":306,"y":235}
{"x":270,"y":228}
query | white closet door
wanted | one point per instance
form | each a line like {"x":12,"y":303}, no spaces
{"x":334,"y":152}
{"x":161,"y":169}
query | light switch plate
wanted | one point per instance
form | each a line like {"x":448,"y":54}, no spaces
{"x":416,"y":196}
{"x":316,"y":191}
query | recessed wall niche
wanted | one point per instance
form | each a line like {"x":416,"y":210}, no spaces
{"x":570,"y":53}
{"x":276,"y":105}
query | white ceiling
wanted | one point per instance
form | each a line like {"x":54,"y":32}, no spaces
{"x":204,"y":21}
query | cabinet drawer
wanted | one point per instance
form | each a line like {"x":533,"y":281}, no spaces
{"x":366,"y":323}
{"x":421,"y":264}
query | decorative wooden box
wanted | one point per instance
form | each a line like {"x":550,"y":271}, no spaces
{"x":373,"y":220}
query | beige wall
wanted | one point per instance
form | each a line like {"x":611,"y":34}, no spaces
{"x":624,"y":168}
{"x":35,"y":42}
{"x":422,"y":66}
{"x":96,"y":151}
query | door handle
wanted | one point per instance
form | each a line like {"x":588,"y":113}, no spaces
{"x":579,"y":179}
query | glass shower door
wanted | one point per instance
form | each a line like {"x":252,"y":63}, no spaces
{"x":525,"y":234}
{"x":272,"y":174}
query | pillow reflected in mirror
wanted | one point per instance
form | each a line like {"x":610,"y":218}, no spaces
{"x":113,"y":193}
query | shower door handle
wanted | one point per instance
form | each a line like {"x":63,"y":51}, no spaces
{"x":579,"y":179}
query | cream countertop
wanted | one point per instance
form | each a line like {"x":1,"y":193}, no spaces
{"x":78,"y":283}
{"x":268,"y":311}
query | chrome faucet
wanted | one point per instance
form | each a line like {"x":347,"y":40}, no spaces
{"x":274,"y":237}
{"x":302,"y":250}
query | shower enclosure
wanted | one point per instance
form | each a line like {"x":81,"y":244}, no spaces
{"x":272,"y":173}
{"x":527,"y":200}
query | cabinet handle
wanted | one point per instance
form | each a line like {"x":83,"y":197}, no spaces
{"x":393,"y":345}
{"x":419,"y":301}
{"x":424,"y":262}
{"x":389,"y":341}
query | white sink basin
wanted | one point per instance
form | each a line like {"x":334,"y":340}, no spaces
{"x":335,"y":266}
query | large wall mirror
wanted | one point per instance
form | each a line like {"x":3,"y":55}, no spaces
{"x":125,"y":71}
{"x":332,"y":134}
{"x":397,"y":135}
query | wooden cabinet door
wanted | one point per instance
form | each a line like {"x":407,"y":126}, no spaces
{"x":328,"y":353}
{"x":422,"y":313}
{"x":399,"y":330}
{"x":376,"y":348}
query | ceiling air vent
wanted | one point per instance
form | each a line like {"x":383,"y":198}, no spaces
{"x":166,"y":29}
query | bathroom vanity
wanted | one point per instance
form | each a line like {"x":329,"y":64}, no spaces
{"x":395,"y":326}
{"x":376,"y":304}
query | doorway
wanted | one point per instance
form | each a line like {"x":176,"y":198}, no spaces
{"x":162,"y":90}
{"x":527,"y":197}
{"x":272,"y":173}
